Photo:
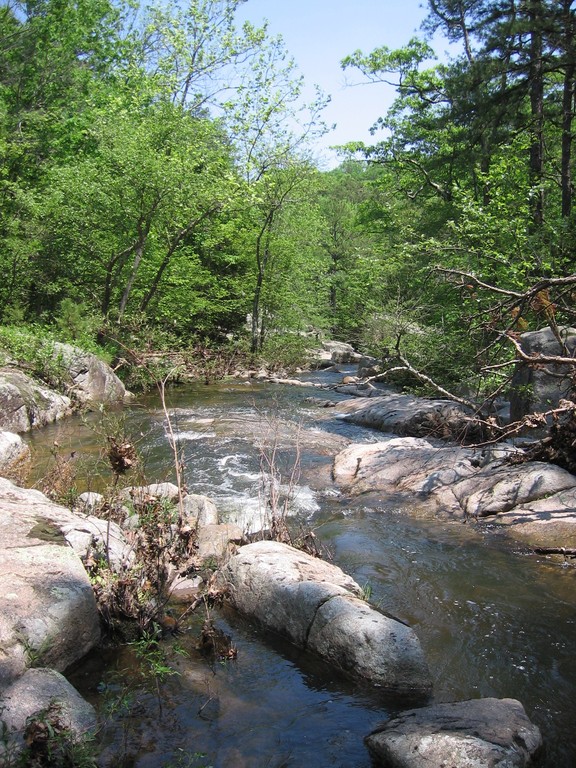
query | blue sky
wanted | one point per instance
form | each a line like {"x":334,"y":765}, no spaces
{"x":319,"y":33}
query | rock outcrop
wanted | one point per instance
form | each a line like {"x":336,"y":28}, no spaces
{"x":25,"y":404}
{"x":333,"y":352}
{"x":481,"y":733}
{"x":535,"y":500}
{"x":47,"y":692}
{"x":48,"y":614}
{"x":89,"y":379}
{"x":407,"y":415}
{"x":539,"y":388}
{"x":318,"y":607}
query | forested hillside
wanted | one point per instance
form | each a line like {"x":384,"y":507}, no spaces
{"x":158,"y":184}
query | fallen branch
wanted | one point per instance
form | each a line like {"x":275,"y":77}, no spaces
{"x":566,"y":551}
{"x":407,"y":367}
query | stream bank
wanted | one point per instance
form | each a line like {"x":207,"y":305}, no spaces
{"x":405,"y":560}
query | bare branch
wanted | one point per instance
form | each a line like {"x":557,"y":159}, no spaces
{"x":537,"y":359}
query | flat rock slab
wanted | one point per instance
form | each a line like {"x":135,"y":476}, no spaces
{"x":550,"y":522}
{"x":535,"y":500}
{"x":404,"y":464}
{"x":318,"y":607}
{"x":481,"y":733}
{"x":410,"y":416}
{"x":48,"y":614}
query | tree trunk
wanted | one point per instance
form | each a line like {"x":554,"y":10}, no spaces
{"x":172,"y":248}
{"x":567,"y":107}
{"x":262,"y":257}
{"x":535,"y":13}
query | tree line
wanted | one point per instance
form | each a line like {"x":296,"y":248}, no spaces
{"x":158,"y":178}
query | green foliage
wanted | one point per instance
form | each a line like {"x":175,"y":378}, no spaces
{"x":34,"y":350}
{"x":156,"y":188}
{"x":286,"y":352}
{"x":76,"y":325}
{"x":402,"y":327}
{"x":49,"y":743}
{"x":154,"y":664}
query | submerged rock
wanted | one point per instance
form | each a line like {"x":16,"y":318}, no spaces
{"x":482,"y":733}
{"x":318,"y":607}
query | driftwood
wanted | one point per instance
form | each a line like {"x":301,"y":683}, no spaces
{"x":566,"y":551}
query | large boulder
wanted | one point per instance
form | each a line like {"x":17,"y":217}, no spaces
{"x":405,"y":465}
{"x":48,"y":614}
{"x":537,"y":388}
{"x":369,"y":366}
{"x":500,"y":488}
{"x":318,"y":607}
{"x":412,"y":416}
{"x":15,"y":456}
{"x":341,"y":352}
{"x":200,"y":510}
{"x":102,"y":538}
{"x":535,"y":500}
{"x":46,"y":695}
{"x":548,"y":522}
{"x":334,"y":352}
{"x":482,"y":733}
{"x":89,"y":379}
{"x":25,"y":404}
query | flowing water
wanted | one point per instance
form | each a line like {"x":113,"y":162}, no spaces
{"x":493,"y":619}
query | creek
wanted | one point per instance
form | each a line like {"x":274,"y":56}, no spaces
{"x":493,"y":619}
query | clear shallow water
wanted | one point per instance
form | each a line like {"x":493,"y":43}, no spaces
{"x":494,"y":620}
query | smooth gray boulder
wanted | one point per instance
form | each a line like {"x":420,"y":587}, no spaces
{"x":216,"y":542}
{"x":405,"y":465}
{"x":200,"y":510}
{"x":25,"y":404}
{"x":501,"y":487}
{"x":142,"y":493}
{"x":410,"y":416}
{"x":535,"y":500}
{"x":318,"y":607}
{"x":102,"y":538}
{"x":48,"y":613}
{"x":548,"y":522}
{"x":331,"y":352}
{"x":369,"y":366}
{"x":48,"y":695}
{"x":539,"y":388}
{"x":341,"y":352}
{"x":481,"y":733}
{"x":89,"y":379}
{"x":15,"y":456}
{"x":88,"y":502}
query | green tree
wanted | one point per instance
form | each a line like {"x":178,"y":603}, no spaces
{"x":125,"y":214}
